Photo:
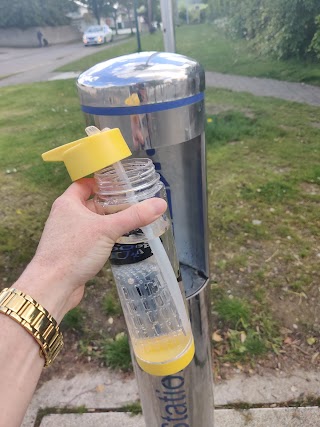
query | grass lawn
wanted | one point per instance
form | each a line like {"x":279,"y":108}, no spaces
{"x":264,"y":194}
{"x":216,"y":53}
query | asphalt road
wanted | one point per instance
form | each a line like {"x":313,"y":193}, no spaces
{"x":30,"y":65}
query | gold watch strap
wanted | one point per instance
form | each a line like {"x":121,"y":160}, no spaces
{"x":35,"y":319}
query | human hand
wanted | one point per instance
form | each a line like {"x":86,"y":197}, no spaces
{"x":75,"y":244}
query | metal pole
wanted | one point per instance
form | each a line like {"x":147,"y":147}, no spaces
{"x":168,"y":25}
{"x":187,"y":11}
{"x":137,"y":25}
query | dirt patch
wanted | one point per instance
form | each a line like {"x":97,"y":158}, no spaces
{"x":312,"y":189}
{"x":297,"y":310}
{"x":315,"y":125}
{"x":282,"y":170}
{"x":217,"y":109}
{"x":290,"y":291}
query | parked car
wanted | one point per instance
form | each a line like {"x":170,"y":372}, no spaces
{"x":97,"y":34}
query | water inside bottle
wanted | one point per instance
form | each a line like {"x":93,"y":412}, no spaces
{"x":154,"y":324}
{"x":163,"y":348}
{"x":156,"y":330}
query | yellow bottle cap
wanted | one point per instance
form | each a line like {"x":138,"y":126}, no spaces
{"x":88,"y":155}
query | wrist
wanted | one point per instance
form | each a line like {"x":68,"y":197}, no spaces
{"x":47,"y":290}
{"x":35,"y":319}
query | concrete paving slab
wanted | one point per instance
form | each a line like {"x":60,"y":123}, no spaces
{"x":110,"y":419}
{"x":107,"y":390}
{"x":270,"y":388}
{"x":261,"y":417}
{"x":92,"y":389}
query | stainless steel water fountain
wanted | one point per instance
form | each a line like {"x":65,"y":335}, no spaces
{"x":157,"y":101}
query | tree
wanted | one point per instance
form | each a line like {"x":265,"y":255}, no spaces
{"x":97,"y":7}
{"x":113,"y":9}
{"x":291,"y":27}
{"x":284,"y":28}
{"x":150,"y":14}
{"x":105,"y":8}
{"x":31,"y":13}
{"x":315,"y":43}
{"x":150,"y":10}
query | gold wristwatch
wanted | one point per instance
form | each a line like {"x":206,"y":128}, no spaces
{"x":35,"y":319}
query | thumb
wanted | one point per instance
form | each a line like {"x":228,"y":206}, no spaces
{"x":135,"y":216}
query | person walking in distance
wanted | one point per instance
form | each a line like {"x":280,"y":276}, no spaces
{"x":39,"y":36}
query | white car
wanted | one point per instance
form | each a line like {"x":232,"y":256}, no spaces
{"x":97,"y":34}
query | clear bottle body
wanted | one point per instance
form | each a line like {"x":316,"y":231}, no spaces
{"x":160,"y":334}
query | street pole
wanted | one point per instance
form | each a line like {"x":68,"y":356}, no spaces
{"x":137,"y":25}
{"x":168,"y":25}
{"x":187,"y":12}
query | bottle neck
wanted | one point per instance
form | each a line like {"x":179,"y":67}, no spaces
{"x":114,"y":195}
{"x":144,"y":182}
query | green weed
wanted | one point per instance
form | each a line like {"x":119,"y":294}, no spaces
{"x":255,"y":344}
{"x":111,"y":305}
{"x":116,"y":353}
{"x":247,"y":331}
{"x":74,"y":319}
{"x":260,"y":293}
{"x":270,"y":192}
{"x":313,"y":175}
{"x":42,"y":412}
{"x":230,"y":126}
{"x":135,"y":408}
{"x":299,"y":285}
{"x":244,"y":344}
{"x":234,"y":312}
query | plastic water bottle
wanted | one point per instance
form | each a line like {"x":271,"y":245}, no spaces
{"x":161,"y":338}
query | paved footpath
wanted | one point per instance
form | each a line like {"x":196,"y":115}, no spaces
{"x":298,"y":92}
{"x":104,"y":393}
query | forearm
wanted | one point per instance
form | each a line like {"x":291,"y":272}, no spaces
{"x":20,"y":360}
{"x":20,"y":369}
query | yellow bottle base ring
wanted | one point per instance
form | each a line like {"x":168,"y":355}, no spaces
{"x":171,"y":367}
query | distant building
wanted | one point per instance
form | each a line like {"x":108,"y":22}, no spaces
{"x":81,"y":18}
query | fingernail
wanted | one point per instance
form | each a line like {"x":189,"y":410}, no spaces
{"x":158,"y":206}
